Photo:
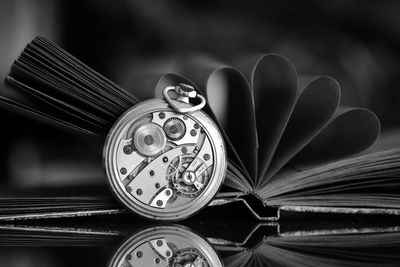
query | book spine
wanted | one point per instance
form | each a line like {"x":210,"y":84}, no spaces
{"x":224,"y":201}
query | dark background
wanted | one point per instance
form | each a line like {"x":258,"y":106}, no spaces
{"x":356,"y":42}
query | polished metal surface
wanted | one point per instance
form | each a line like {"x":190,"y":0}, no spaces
{"x":163,"y":164}
{"x":165,"y":246}
{"x":184,"y":93}
{"x":149,"y":139}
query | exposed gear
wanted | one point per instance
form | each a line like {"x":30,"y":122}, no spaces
{"x":142,"y":121}
{"x":189,"y":257}
{"x":175,"y":128}
{"x":163,"y":160}
{"x":185,"y":186}
{"x":149,"y":139}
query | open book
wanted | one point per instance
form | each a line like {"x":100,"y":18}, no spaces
{"x":290,"y":142}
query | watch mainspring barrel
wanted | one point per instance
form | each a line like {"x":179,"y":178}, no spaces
{"x":165,"y":246}
{"x":165,"y":159}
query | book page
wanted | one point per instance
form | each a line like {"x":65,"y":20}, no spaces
{"x":230,"y":99}
{"x":352,"y":131}
{"x":64,"y":89}
{"x":366,"y":181}
{"x":274,"y":84}
{"x":317,"y":103}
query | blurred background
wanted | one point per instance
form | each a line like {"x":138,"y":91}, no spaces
{"x":357,"y":42}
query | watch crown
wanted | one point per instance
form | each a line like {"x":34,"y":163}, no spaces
{"x":185,"y":90}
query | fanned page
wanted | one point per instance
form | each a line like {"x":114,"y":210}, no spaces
{"x":303,"y":142}
{"x":47,"y":80}
{"x":47,"y":83}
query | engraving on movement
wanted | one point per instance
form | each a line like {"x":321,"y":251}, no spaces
{"x":166,"y":158}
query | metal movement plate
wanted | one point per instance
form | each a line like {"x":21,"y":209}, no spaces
{"x":162,"y":164}
{"x":166,"y":246}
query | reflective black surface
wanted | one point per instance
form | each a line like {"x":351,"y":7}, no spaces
{"x":124,"y":240}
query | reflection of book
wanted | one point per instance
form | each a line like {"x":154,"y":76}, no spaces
{"x":25,"y":235}
{"x":265,"y":245}
{"x":330,"y":247}
{"x":287,"y":144}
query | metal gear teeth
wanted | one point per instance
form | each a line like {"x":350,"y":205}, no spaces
{"x":135,"y":125}
{"x":179,"y":121}
{"x":135,"y":145}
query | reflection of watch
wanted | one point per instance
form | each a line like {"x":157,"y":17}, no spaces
{"x":166,"y":246}
{"x":165,"y":159}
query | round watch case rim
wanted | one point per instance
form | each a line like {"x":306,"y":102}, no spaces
{"x":141,"y":109}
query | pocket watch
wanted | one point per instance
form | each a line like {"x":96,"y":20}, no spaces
{"x":165,"y":158}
